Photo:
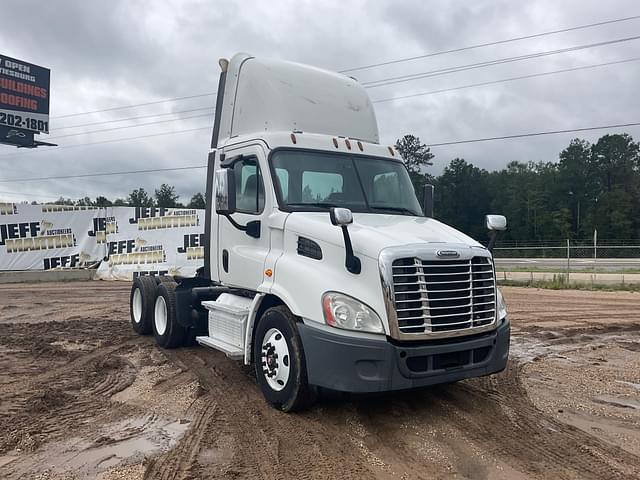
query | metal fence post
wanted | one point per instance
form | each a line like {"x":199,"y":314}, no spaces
{"x":595,"y":249}
{"x":568,"y":260}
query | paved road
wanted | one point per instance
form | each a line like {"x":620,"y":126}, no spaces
{"x":612,"y":264}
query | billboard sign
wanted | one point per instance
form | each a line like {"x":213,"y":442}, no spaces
{"x":24,"y":98}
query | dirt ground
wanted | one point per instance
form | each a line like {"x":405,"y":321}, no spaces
{"x":82,"y":396}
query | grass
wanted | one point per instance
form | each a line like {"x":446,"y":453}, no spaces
{"x":560,"y":282}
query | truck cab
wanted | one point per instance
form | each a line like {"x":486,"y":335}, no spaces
{"x":321,"y":267}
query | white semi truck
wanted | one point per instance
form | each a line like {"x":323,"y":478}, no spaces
{"x":321,"y":268}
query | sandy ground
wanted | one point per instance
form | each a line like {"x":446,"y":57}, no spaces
{"x":81,"y":396}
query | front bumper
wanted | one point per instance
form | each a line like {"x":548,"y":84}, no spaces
{"x":350,"y":364}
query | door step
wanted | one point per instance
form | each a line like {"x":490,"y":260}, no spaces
{"x":227,"y":324}
{"x":229,"y":350}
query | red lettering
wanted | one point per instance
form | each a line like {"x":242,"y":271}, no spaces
{"x":16,"y":101}
{"x":24,"y":88}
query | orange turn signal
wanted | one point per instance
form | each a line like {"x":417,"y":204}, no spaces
{"x":268,"y":272}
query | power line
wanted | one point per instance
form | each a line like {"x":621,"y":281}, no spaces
{"x":488,"y":44}
{"x":130,"y":126}
{"x":493,"y":82}
{"x":111,"y":141}
{"x":489,"y":63}
{"x":103,"y":174}
{"x":174,"y":99}
{"x":135,"y":118}
{"x":534,"y":134}
{"x":374,"y":101}
{"x":457,"y":142}
{"x":28,"y":194}
{"x":390,"y":62}
{"x":504,"y":80}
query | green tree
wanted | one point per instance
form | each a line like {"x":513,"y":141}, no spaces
{"x":102,"y":202}
{"x":166,"y":196}
{"x":463,"y":197}
{"x":139,"y":198}
{"x":63,"y":201}
{"x":85,"y":202}
{"x":417,"y":156}
{"x":576,"y":182}
{"x":197,"y":201}
{"x":120,"y":202}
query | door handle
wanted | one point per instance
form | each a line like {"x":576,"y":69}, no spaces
{"x":225,"y":260}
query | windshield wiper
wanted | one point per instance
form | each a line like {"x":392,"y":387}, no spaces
{"x":313,"y":204}
{"x":395,"y":209}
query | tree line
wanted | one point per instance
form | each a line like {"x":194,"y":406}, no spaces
{"x":589,"y":187}
{"x":165,"y":196}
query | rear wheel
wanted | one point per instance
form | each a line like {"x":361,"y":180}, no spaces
{"x":279,"y":361}
{"x":141,"y":303}
{"x":166,"y":329}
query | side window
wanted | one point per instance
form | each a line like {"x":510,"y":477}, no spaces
{"x":249,"y":186}
{"x":321,"y":186}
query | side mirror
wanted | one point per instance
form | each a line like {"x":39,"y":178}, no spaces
{"x":496,"y":222}
{"x":341,"y":216}
{"x":225,"y":187}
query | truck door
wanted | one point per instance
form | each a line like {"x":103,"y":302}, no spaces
{"x":241,"y":257}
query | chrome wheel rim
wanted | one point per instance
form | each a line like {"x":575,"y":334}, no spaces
{"x":137,"y":305}
{"x":276,"y":364}
{"x":160,"y":315}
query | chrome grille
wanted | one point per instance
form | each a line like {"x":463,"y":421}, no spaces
{"x":443,"y":295}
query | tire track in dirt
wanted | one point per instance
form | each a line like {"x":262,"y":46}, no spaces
{"x":261,"y":442}
{"x":66,"y":388}
{"x":498,"y":414}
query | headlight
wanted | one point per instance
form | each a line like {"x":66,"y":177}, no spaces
{"x":342,"y":311}
{"x":502,"y":306}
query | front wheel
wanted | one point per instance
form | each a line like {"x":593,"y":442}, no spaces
{"x":279,"y":360}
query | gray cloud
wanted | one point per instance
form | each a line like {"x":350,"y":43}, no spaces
{"x":120,"y":52}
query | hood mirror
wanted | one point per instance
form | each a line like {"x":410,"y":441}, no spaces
{"x":495,"y":224}
{"x":342,"y":217}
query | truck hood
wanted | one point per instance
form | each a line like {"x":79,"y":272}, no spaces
{"x":370,"y":233}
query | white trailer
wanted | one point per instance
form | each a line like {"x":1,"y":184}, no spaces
{"x":321,"y":268}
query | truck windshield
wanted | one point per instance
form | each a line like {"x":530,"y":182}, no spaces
{"x":312,"y":181}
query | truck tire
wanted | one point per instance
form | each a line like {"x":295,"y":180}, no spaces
{"x":166,"y":329}
{"x":279,"y":360}
{"x":141,"y":303}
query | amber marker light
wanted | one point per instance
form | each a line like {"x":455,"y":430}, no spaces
{"x":268,"y":272}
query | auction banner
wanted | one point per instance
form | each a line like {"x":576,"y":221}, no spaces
{"x":24,"y":95}
{"x":46,"y":237}
{"x":124,"y":241}
{"x":152,"y":241}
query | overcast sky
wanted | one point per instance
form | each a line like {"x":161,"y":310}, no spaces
{"x":121,"y":52}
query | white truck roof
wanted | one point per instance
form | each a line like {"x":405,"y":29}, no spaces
{"x":265,"y":95}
